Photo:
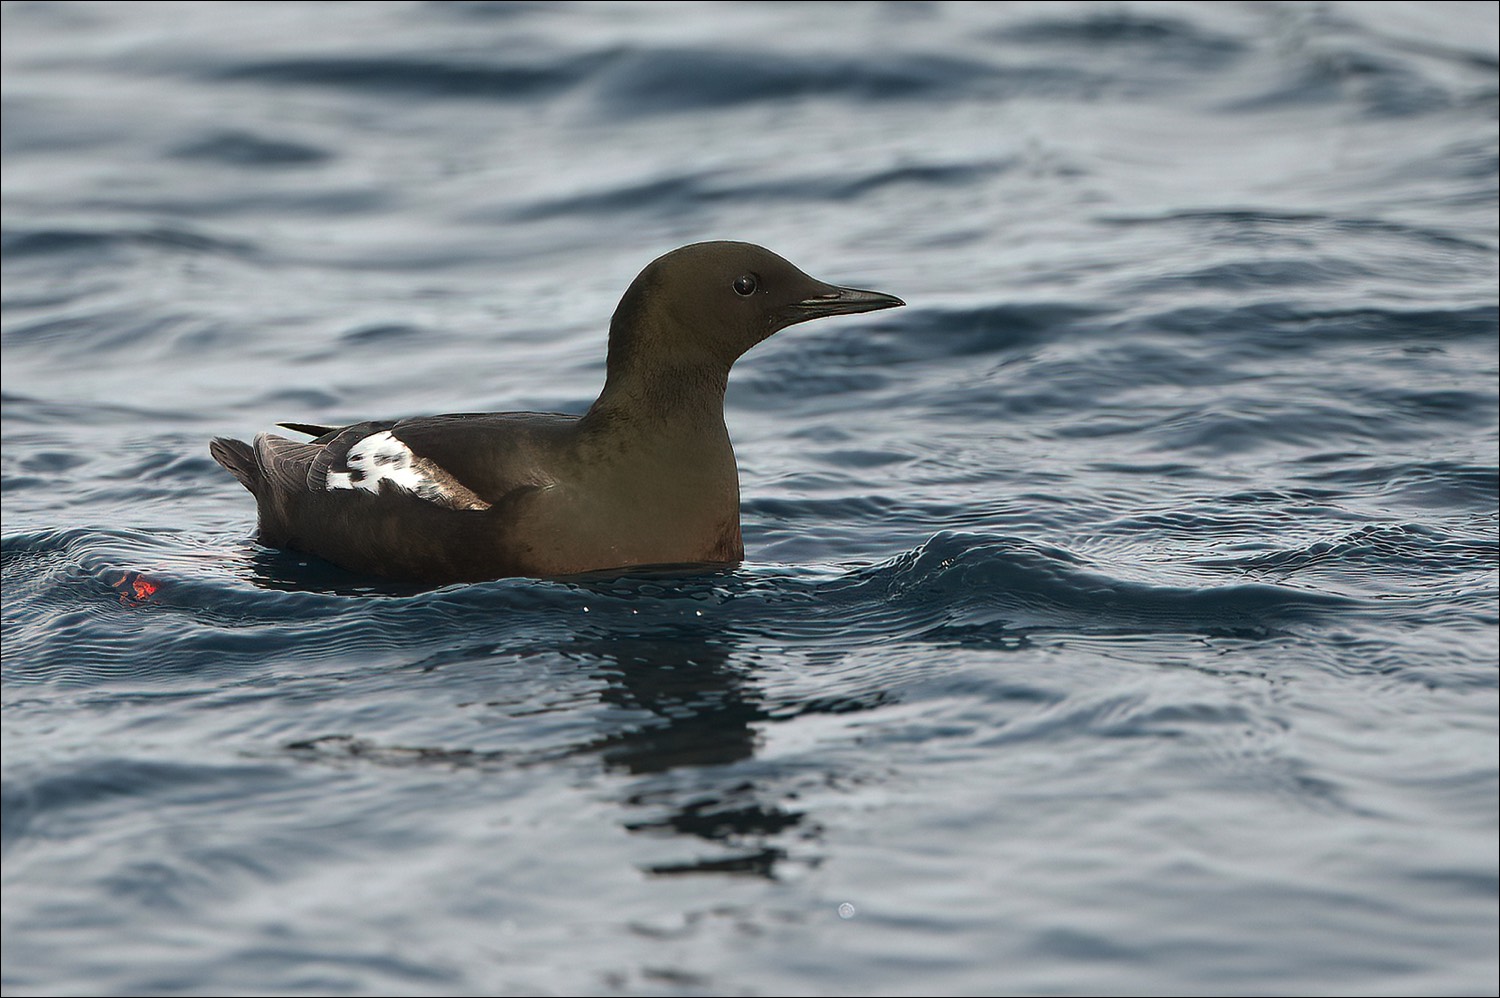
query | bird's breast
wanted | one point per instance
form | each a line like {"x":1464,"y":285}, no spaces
{"x":605,"y":517}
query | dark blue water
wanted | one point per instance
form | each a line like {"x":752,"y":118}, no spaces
{"x":1119,"y":617}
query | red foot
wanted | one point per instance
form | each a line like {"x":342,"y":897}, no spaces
{"x":135,"y":588}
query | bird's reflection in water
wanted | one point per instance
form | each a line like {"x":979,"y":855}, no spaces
{"x":704,"y":712}
{"x":704,"y":709}
{"x":694,"y":711}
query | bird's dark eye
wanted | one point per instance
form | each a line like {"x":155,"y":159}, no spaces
{"x":744,"y":285}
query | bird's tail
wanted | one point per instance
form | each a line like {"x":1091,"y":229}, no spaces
{"x":238,"y":458}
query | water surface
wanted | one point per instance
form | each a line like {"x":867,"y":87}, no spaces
{"x":1119,"y":617}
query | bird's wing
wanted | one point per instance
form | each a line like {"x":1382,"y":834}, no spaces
{"x":466,"y":461}
{"x":311,"y":429}
{"x":284,"y":463}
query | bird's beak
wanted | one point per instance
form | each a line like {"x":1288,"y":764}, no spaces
{"x":832,"y":300}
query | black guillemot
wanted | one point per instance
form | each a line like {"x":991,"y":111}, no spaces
{"x":646,"y":477}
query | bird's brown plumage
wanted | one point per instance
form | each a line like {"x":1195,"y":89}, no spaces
{"x":646,"y":476}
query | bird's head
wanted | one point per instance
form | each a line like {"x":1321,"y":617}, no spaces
{"x":708,"y":303}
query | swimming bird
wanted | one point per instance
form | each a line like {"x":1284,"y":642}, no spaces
{"x":646,"y":476}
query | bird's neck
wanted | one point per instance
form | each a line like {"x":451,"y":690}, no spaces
{"x":657,"y":435}
{"x":659,"y":377}
{"x":670,"y":399}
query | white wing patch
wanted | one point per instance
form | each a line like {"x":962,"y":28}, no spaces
{"x":382,"y":457}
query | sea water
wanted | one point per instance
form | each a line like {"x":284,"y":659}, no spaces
{"x":1118,"y":617}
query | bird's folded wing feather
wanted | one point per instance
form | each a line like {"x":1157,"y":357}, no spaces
{"x":466,"y":461}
